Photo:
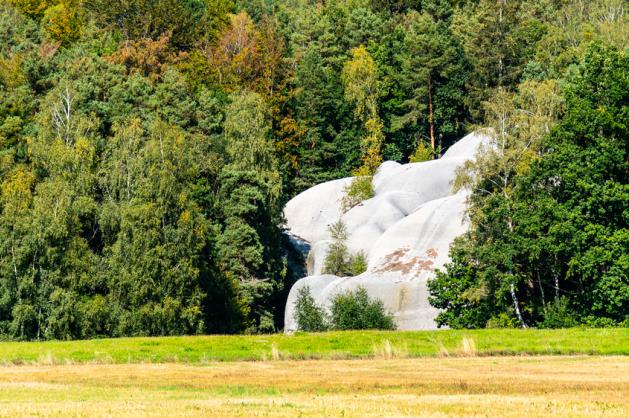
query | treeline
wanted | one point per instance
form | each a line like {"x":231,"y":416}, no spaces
{"x":147,"y":146}
{"x":549,"y":238}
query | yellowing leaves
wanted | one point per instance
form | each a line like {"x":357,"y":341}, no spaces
{"x":185,"y":217}
{"x":17,"y":189}
{"x":361,"y":84}
{"x":83,"y":149}
{"x":361,"y":88}
{"x":247,"y":56}
{"x":60,"y":18}
{"x":237,"y":54}
{"x":11,"y":74}
{"x":33,"y":7}
{"x":62,"y":22}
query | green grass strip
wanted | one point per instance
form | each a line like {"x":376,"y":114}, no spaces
{"x":329,"y":345}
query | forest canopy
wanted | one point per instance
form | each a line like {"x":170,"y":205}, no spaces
{"x":148,"y":146}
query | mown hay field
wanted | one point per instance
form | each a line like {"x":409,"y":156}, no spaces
{"x":464,"y":386}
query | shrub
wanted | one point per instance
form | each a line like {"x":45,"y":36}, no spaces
{"x":359,"y":190}
{"x":309,"y":316}
{"x":358,"y":263}
{"x":338,"y":261}
{"x":267,"y":325}
{"x":503,"y":321}
{"x":599,"y":322}
{"x":421,"y":153}
{"x":558,"y":315}
{"x":356,"y":310}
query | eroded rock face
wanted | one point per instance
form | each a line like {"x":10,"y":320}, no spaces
{"x":405,"y":230}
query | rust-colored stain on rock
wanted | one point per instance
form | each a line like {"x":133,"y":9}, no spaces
{"x":397,"y":262}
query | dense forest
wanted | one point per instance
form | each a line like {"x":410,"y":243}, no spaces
{"x":147,"y":148}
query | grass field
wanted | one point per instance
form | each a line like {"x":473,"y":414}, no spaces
{"x":352,"y":374}
{"x":332,"y":345}
{"x":480,"y":386}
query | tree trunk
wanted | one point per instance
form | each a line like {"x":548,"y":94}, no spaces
{"x":431,"y":120}
{"x":541,"y":289}
{"x":38,"y":323}
{"x":556,"y":277}
{"x":516,"y":305}
{"x":514,"y":297}
{"x":439,"y":144}
{"x":501,"y":4}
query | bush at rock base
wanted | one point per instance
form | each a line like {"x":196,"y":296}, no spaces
{"x":349,"y":311}
{"x":309,"y":316}
{"x":356,"y":310}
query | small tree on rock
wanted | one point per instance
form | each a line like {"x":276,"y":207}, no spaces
{"x":309,"y":316}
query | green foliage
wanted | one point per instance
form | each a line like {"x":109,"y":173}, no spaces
{"x":326,"y":149}
{"x":600,"y":322}
{"x":549,"y":235}
{"x":359,"y":190}
{"x":338,"y":260}
{"x":147,"y":147}
{"x":247,"y":133}
{"x":132,"y":162}
{"x":422,"y":153}
{"x":558,"y":314}
{"x":161,"y":234}
{"x":189,"y":21}
{"x":362,"y":88}
{"x":358,"y":263}
{"x":349,"y":310}
{"x":497,"y":38}
{"x":356,"y":310}
{"x":502,"y":321}
{"x":308,"y":315}
{"x":62,"y":22}
{"x":433,"y":73}
{"x":248,"y":249}
{"x":464,"y":303}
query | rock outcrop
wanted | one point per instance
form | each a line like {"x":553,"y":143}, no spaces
{"x":405,"y":230}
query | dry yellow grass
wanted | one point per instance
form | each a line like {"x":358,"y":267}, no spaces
{"x":478,"y":386}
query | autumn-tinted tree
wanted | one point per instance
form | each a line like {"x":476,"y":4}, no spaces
{"x":189,"y":21}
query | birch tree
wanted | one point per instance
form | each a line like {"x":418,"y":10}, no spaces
{"x":517,"y":125}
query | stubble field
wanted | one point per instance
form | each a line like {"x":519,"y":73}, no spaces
{"x":479,"y":386}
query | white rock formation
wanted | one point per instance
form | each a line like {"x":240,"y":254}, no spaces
{"x":405,"y":230}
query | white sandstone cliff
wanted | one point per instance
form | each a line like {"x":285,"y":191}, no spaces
{"x":405,"y":230}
